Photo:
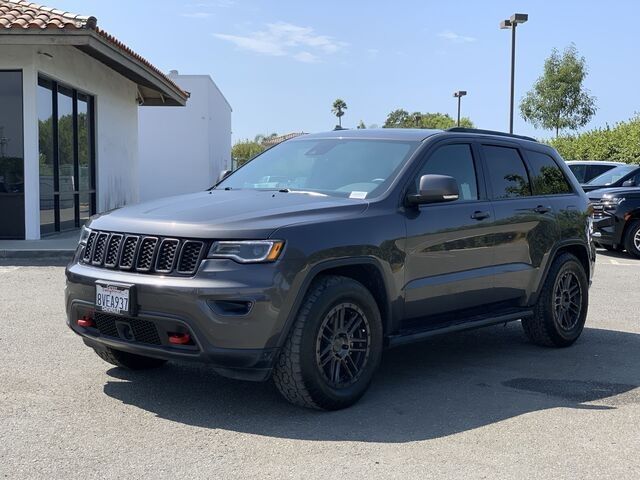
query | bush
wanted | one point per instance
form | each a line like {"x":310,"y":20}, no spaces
{"x":620,"y":143}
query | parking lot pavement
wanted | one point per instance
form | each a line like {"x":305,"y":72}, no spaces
{"x":482,"y":404}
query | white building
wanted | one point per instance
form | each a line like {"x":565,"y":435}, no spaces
{"x":69,"y":97}
{"x":183,"y":150}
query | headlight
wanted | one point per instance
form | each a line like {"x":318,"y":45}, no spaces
{"x":612,"y":202}
{"x":247,"y":251}
{"x":84,"y":235}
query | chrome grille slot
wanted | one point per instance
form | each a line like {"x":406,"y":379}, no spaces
{"x":146,"y":254}
{"x":99,"y":248}
{"x":167,"y":254}
{"x":190,"y":256}
{"x":113,"y":251}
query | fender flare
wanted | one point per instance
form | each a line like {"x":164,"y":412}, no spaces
{"x":316,"y":270}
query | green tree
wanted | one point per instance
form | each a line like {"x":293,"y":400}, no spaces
{"x":361,"y":125}
{"x":402,"y":119}
{"x":338,"y":108}
{"x":558,"y":99}
{"x":245,"y":150}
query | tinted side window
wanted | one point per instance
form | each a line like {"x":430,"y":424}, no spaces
{"x":580,"y":172}
{"x":457,"y":162}
{"x":546,"y":176}
{"x":595,"y":170}
{"x":506,"y":172}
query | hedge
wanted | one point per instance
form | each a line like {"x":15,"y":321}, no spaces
{"x":619,"y":143}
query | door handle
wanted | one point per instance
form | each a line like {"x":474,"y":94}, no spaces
{"x":480,"y":215}
{"x":542,"y":209}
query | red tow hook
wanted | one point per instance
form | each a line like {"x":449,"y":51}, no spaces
{"x":179,"y":338}
{"x":86,"y":321}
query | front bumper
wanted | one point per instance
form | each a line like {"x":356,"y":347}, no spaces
{"x":607,"y":229}
{"x":237,"y":343}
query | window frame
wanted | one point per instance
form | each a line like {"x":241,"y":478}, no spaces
{"x":424,"y":157}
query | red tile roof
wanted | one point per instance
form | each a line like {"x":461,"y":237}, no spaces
{"x":275,"y":140}
{"x":20,"y":14}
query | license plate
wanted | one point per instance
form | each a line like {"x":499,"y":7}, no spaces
{"x":113,"y":298}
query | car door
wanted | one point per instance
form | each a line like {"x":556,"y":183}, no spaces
{"x":448,"y":258}
{"x":525,"y":224}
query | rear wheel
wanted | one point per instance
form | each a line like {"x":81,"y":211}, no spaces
{"x":334,"y":347}
{"x":561,"y":310}
{"x":128,"y":360}
{"x":632,"y":239}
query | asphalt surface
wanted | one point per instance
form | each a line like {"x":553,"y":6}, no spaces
{"x":481,"y":404}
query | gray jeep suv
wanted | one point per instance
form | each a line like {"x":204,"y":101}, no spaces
{"x":306,"y":263}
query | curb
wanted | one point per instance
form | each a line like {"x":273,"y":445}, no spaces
{"x":26,"y":254}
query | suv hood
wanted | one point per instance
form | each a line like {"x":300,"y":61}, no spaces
{"x":596,"y":195}
{"x":226,"y":214}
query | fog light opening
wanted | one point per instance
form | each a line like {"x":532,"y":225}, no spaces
{"x":176,"y":338}
{"x":86,"y":321}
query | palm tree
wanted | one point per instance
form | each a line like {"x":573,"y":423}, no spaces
{"x":339,"y":106}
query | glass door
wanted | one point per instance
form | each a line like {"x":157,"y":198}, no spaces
{"x":11,"y":156}
{"x":67,"y":157}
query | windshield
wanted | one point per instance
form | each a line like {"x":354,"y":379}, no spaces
{"x":355,"y":168}
{"x":612,"y":175}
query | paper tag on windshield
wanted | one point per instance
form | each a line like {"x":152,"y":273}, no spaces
{"x":358,"y":195}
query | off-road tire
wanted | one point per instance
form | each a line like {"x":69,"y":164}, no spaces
{"x":128,"y":360}
{"x":297,"y":375}
{"x":543,"y":328}
{"x":629,"y":236}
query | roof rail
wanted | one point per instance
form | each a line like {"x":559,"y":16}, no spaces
{"x":489,"y":132}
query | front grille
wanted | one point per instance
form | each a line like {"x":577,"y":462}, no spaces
{"x":113,"y":250}
{"x":143,"y":254}
{"x":167,"y":255}
{"x":144,"y":260}
{"x":99,"y":248}
{"x":144,"y":331}
{"x":190,"y":256}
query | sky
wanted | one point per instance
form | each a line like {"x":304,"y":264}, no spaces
{"x":281,"y":64}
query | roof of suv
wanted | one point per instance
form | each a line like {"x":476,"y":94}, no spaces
{"x":410,"y":134}
{"x":595,"y":162}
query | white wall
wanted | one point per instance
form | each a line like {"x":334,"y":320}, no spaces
{"x":116,"y":122}
{"x":183,"y":149}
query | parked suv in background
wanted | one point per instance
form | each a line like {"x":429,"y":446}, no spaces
{"x":585,"y":170}
{"x":370,"y":239}
{"x":616,"y":219}
{"x":622,"y":176}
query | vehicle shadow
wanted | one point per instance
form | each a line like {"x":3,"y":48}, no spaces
{"x":440,"y":387}
{"x":615,"y":254}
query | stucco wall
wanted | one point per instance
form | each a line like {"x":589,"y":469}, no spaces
{"x":183,"y":149}
{"x":116,"y":122}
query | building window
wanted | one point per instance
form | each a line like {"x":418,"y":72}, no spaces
{"x":11,"y":156}
{"x":67,"y":156}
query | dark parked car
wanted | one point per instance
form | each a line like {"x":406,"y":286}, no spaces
{"x":616,"y":219}
{"x":622,"y":176}
{"x":585,"y":170}
{"x":370,"y":239}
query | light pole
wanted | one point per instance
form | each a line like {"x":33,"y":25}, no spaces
{"x":459,"y":94}
{"x":512,"y":23}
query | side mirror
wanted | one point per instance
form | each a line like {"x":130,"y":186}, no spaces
{"x":435,"y":189}
{"x":629,"y":183}
{"x":223,"y":174}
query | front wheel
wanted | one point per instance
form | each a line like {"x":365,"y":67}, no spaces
{"x":561,"y":309}
{"x":333,"y":349}
{"x":632,"y":239}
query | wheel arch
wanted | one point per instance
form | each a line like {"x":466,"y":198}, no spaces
{"x":578,"y":250}
{"x":366,"y":270}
